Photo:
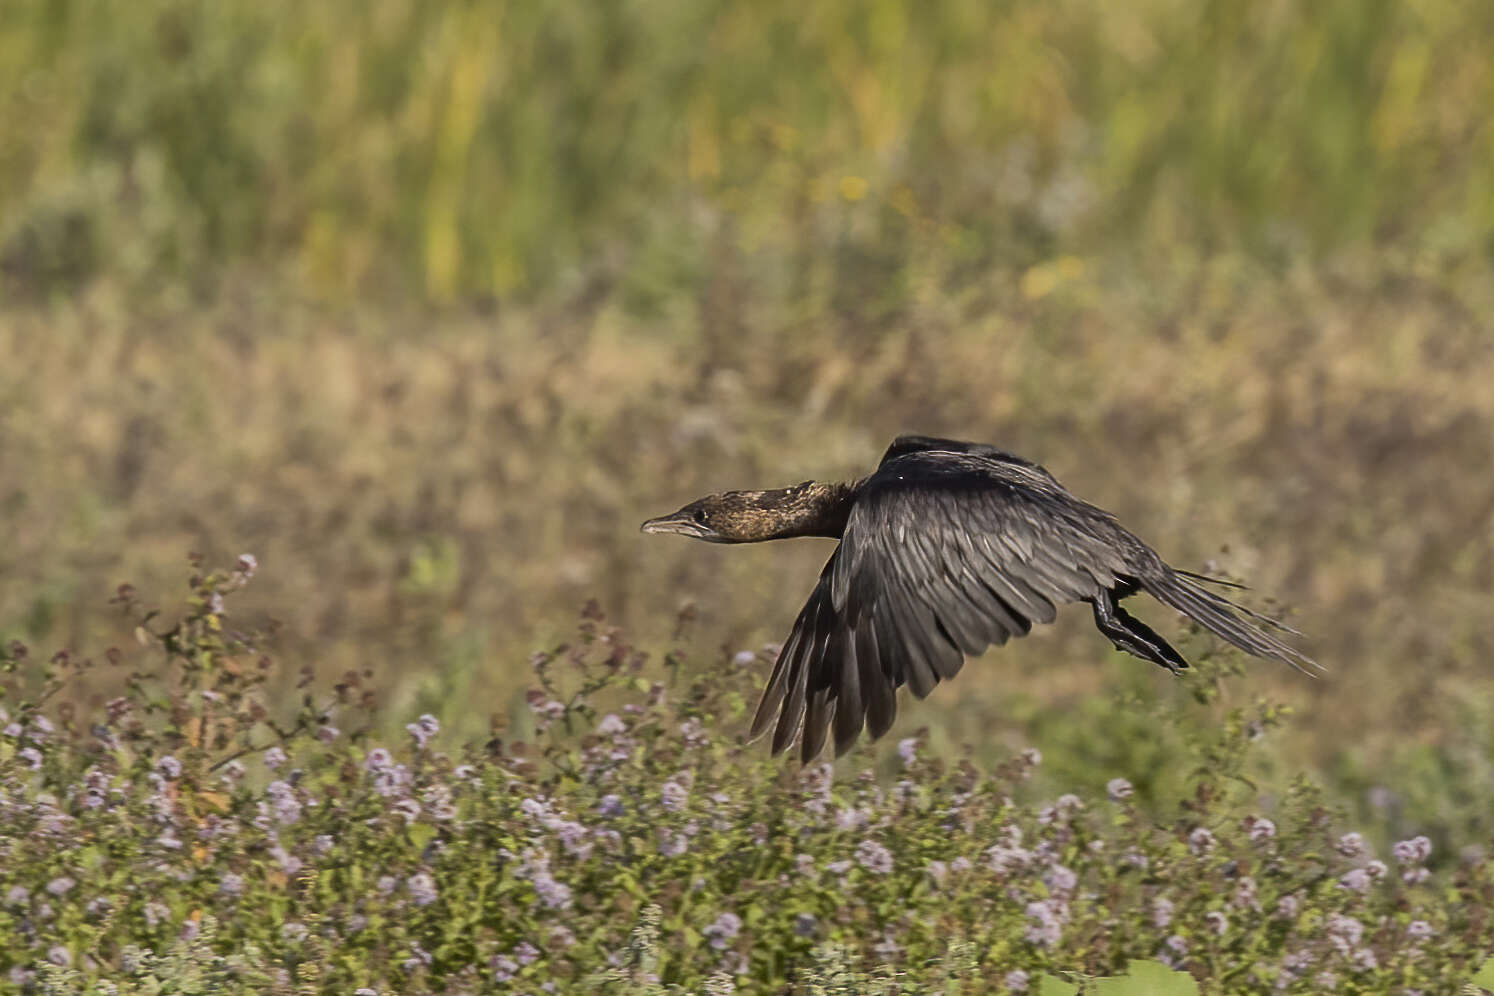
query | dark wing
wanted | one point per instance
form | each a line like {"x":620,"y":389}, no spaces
{"x":943,"y":555}
{"x":903,"y":445}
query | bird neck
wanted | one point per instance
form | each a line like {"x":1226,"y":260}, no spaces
{"x":809,"y":509}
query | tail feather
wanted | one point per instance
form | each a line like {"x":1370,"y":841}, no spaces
{"x":1224,"y":582}
{"x":1217,"y":614}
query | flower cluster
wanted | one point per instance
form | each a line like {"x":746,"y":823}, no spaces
{"x":622,"y":832}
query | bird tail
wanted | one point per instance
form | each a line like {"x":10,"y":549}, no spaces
{"x":1223,"y":582}
{"x":1217,"y":614}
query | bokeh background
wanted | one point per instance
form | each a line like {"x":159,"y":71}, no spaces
{"x":429,"y":304}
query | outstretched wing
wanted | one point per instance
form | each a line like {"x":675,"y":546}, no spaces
{"x":944,"y":554}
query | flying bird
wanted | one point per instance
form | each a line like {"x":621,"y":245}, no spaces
{"x":946,"y":548}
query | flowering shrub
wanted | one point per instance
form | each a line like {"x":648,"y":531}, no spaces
{"x":188,"y":832}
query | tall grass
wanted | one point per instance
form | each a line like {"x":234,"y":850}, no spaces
{"x":466,"y":151}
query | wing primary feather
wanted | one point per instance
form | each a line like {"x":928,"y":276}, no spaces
{"x":816,"y":724}
{"x":877,"y":689}
{"x":850,"y":711}
{"x":794,"y":703}
{"x":772,"y":697}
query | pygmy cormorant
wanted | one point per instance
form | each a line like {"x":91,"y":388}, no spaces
{"x":946,"y":548}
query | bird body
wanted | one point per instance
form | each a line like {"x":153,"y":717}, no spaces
{"x":948,"y":547}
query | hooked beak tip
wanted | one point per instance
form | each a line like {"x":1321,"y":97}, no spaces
{"x":684,"y":526}
{"x":663,"y":524}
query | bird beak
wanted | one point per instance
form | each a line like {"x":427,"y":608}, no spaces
{"x":681,"y":522}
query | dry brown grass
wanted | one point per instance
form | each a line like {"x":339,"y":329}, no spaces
{"x":435,"y":495}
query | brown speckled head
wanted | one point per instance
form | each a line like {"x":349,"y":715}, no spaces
{"x":808,"y":509}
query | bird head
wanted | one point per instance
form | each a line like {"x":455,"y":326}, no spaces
{"x":753,"y":516}
{"x":715,"y":518}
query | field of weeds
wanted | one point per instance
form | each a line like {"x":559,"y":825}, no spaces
{"x":427,"y":306}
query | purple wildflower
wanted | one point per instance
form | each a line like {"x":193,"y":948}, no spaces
{"x":1061,"y":880}
{"x":1356,"y":880}
{"x":422,"y":888}
{"x":1351,"y":845}
{"x":1161,"y":913}
{"x":1259,"y":828}
{"x":723,"y":931}
{"x":1344,"y":932}
{"x":1118,"y":789}
{"x":169,"y":768}
{"x":420,"y":731}
{"x":907,"y":749}
{"x":672,"y":844}
{"x":805,"y":925}
{"x":553,"y":894}
{"x":1016,"y":981}
{"x":874,"y":857}
{"x":377,"y":760}
{"x":673,"y":795}
{"x":283,"y":796}
{"x":1412,"y":852}
{"x":61,"y":885}
{"x":1245,"y":897}
{"x":1046,"y":926}
{"x":1200,"y":841}
{"x":231,"y":886}
{"x":1419,"y":930}
{"x":1217,"y":921}
{"x":391,"y":781}
{"x":1418,"y":848}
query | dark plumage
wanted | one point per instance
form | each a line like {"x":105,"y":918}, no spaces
{"x":947,"y":548}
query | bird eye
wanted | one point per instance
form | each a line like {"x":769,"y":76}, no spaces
{"x":699,"y":516}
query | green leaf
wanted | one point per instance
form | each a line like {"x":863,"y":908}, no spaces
{"x":1148,"y":978}
{"x":1485,"y":976}
{"x":1049,"y":985}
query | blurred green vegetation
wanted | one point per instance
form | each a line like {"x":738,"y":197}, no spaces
{"x":428,"y":305}
{"x":463,"y":149}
